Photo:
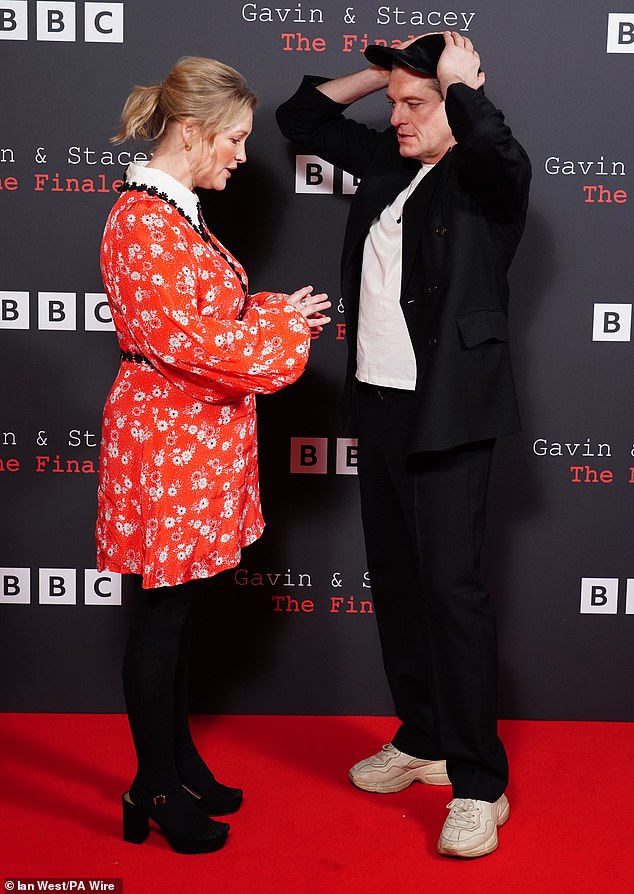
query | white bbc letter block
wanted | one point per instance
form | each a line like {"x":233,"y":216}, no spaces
{"x":629,"y":597}
{"x":102,"y":587}
{"x":14,"y":20}
{"x":620,"y":32}
{"x":313,"y":175}
{"x":55,"y":21}
{"x":103,"y":22}
{"x":599,"y":595}
{"x":349,"y":184}
{"x":97,"y":316}
{"x":15,"y":586}
{"x":58,"y":586}
{"x":14,"y":310}
{"x":57,"y":310}
{"x":612,"y":322}
{"x":347,"y":451}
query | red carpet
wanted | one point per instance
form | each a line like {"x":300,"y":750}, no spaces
{"x":303,"y":827}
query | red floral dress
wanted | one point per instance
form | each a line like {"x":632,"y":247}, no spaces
{"x":178,"y":488}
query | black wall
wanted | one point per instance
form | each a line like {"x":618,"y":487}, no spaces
{"x":291,"y":630}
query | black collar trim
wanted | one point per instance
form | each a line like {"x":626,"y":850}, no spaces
{"x":200,"y":228}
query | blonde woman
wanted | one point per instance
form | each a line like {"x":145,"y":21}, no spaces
{"x":178,"y":493}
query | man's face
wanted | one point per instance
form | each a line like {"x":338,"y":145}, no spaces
{"x":418,"y":116}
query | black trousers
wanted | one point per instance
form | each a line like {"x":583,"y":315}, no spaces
{"x":423,"y":520}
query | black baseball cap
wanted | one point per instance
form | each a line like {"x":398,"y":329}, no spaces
{"x":422,"y":55}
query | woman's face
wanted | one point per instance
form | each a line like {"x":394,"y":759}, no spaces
{"x":218,"y":158}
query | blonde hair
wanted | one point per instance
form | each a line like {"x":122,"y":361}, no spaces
{"x":211,"y":93}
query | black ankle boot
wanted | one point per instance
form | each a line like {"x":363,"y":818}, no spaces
{"x":187,"y":829}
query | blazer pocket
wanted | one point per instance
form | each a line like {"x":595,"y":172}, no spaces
{"x":483,"y":326}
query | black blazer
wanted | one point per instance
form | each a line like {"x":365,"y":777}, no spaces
{"x":461,"y":228}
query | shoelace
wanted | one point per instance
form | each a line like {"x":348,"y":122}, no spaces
{"x":384,"y":755}
{"x":464,"y":813}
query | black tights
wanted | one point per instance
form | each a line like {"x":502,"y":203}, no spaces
{"x":156,"y":686}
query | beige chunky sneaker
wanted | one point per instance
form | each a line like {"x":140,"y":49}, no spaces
{"x":471,"y":829}
{"x":392,"y":770}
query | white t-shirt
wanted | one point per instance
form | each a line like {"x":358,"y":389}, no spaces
{"x":385,"y":355}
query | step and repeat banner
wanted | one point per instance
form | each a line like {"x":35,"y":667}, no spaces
{"x":293,"y":629}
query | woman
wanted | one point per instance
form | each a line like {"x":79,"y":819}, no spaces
{"x":178,"y":493}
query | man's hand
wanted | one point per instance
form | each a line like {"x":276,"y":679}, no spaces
{"x":459,"y":63}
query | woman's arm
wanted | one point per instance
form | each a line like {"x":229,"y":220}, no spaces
{"x":151,"y":279}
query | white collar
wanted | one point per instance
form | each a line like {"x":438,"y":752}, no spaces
{"x":140,"y":175}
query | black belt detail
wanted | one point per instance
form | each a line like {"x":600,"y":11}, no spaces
{"x":134,"y":358}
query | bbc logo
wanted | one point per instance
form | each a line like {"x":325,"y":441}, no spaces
{"x":309,"y":456}
{"x":620,"y":32}
{"x":600,"y":596}
{"x":103,"y":22}
{"x":56,"y":311}
{"x":612,"y":322}
{"x":58,"y":586}
{"x":314,"y":176}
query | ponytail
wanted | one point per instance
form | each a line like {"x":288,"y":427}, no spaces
{"x":142,"y":117}
{"x":209,"y":92}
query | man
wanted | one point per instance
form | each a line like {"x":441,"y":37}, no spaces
{"x":432,"y":230}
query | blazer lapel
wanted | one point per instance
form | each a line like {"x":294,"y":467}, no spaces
{"x":374,"y":194}
{"x":415,"y":213}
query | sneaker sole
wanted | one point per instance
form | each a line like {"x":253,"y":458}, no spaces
{"x":428,"y":776}
{"x":484,"y":849}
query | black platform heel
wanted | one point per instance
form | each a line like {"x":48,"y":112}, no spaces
{"x":136,"y":822}
{"x":219,"y":800}
{"x":187,"y":829}
{"x":209,"y":795}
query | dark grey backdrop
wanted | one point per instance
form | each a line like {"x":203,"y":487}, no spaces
{"x":558,"y":553}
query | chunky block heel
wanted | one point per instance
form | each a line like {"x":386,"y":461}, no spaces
{"x":136,"y":823}
{"x":187,"y":829}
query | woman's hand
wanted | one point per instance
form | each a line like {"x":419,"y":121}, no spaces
{"x":311,"y":306}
